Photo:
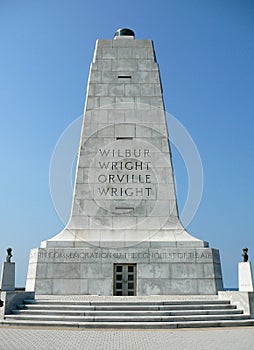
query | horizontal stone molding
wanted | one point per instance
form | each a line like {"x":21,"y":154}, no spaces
{"x":148,"y":255}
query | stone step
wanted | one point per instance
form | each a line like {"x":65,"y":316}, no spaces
{"x":138,"y":325}
{"x":119,"y":307}
{"x":126,"y":312}
{"x":125,"y":302}
{"x":132,"y":313}
{"x":126,"y":318}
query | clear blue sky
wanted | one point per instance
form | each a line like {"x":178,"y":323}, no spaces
{"x":206,"y":54}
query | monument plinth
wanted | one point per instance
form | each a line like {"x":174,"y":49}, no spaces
{"x":8,"y":273}
{"x":124,"y":236}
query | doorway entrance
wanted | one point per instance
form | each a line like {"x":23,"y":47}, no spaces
{"x":125,"y":279}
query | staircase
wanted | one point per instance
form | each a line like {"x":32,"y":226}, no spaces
{"x":129,"y":312}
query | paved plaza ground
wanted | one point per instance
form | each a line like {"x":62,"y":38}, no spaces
{"x":200,"y":339}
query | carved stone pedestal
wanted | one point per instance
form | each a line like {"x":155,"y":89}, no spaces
{"x":8,"y":276}
{"x":245,"y":279}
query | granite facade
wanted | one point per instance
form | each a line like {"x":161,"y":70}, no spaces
{"x":124,"y":200}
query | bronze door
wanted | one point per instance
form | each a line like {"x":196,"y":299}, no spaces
{"x":125,"y":279}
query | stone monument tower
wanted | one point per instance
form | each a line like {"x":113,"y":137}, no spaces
{"x":124,"y":236}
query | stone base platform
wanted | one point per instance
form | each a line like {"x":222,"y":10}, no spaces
{"x":92,"y":271}
{"x":128,"y":312}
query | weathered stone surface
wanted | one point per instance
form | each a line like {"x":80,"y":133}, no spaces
{"x":11,"y":300}
{"x":8,"y":276}
{"x":89,"y":271}
{"x":245,"y":278}
{"x":124,"y":206}
{"x":243,"y":300}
